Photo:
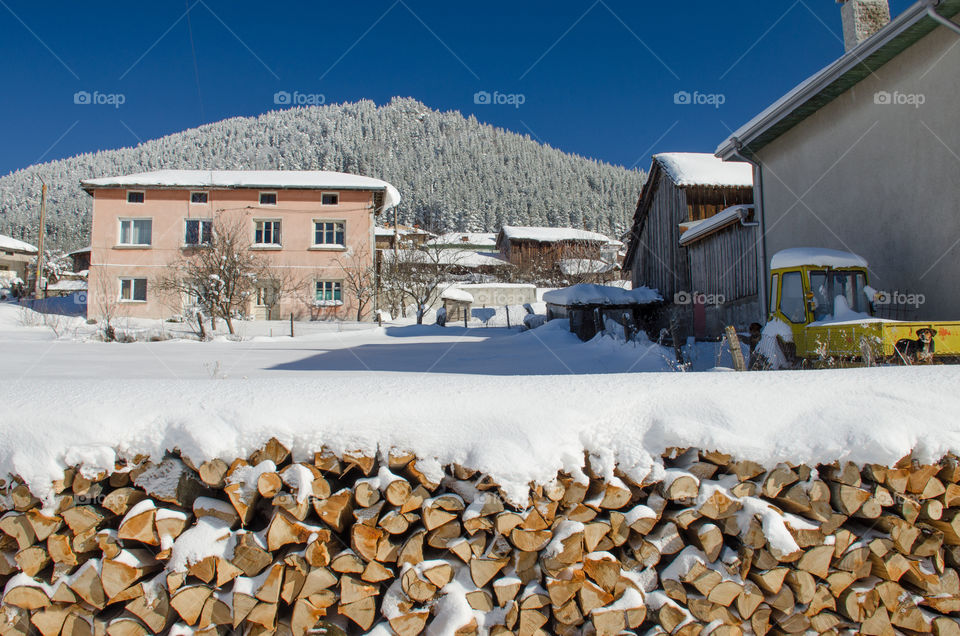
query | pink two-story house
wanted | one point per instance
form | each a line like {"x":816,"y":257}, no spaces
{"x":310,"y":224}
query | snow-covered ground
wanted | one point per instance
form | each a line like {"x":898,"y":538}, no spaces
{"x":519,"y":406}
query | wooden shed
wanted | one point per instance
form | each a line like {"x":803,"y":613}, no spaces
{"x":593,"y":309}
{"x":682,"y":187}
{"x":682,"y":190}
{"x":723,"y":270}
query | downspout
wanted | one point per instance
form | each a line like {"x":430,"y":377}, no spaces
{"x":764,"y":278}
{"x":932,"y":12}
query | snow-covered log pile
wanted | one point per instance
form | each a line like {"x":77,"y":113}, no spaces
{"x":388,"y":546}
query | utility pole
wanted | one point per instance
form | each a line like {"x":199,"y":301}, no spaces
{"x":38,"y":288}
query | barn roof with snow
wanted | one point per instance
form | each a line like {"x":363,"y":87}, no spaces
{"x":688,"y":169}
{"x":549,"y":234}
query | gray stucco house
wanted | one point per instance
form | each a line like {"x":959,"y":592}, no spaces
{"x":864,"y":156}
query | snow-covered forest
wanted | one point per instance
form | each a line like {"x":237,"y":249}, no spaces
{"x":453,"y":172}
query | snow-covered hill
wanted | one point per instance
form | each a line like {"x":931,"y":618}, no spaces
{"x":454,"y":172}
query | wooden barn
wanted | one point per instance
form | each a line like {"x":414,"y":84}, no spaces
{"x":682,"y":191}
{"x":723,"y":270}
{"x":525,"y":245}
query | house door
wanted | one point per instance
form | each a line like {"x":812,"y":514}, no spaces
{"x":266,"y":304}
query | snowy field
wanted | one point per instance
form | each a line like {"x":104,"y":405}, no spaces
{"x":519,"y":406}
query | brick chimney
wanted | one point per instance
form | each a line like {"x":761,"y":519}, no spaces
{"x":861,"y":19}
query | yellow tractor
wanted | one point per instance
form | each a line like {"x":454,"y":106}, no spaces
{"x":822,"y":309}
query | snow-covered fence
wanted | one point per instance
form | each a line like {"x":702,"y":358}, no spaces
{"x":399,"y":545}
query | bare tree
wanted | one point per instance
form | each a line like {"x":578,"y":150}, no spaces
{"x":419,"y":274}
{"x":220,"y":275}
{"x":359,"y":278}
{"x":108,"y":306}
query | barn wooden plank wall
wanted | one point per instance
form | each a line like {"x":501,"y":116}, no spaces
{"x":659,"y":262}
{"x":725,"y":263}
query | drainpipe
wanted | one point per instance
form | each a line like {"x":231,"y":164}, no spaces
{"x":932,"y":12}
{"x":762,"y":289}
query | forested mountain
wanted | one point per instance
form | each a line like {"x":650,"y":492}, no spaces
{"x":454,"y":173}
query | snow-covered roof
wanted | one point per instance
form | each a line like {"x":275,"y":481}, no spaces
{"x":461,"y":258}
{"x":402,"y":231}
{"x":82,"y":250}
{"x":68,"y":285}
{"x":480,"y":239}
{"x":551,"y":234}
{"x":816,"y":256}
{"x":585,"y":294}
{"x":279,"y":179}
{"x":719,"y":220}
{"x":455,"y":293}
{"x":703,"y":169}
{"x":10,"y":244}
{"x":575,"y":266}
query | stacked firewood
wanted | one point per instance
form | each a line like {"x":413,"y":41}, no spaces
{"x":397,"y":545}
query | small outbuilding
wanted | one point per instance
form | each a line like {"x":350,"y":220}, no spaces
{"x":592,"y":309}
{"x":15,"y":257}
{"x":456,"y":303}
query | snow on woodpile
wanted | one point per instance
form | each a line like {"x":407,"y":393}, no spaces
{"x":455,"y":293}
{"x":588,"y":294}
{"x":15,"y":245}
{"x":816,"y":256}
{"x":310,"y":179}
{"x":398,"y":544}
{"x":551,"y":234}
{"x":702,"y":169}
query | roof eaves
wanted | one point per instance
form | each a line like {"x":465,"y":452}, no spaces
{"x":835,"y":79}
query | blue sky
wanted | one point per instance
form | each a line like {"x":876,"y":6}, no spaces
{"x":597,"y":78}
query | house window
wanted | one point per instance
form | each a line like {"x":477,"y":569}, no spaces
{"x":267,"y":233}
{"x":136,"y":231}
{"x":134,"y":196}
{"x":328,"y":233}
{"x":329,"y":292}
{"x":268,"y":198}
{"x":198,"y":197}
{"x":198,"y":232}
{"x":329,"y":198}
{"x":133,"y":290}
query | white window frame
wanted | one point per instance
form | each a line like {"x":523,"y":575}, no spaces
{"x":263,"y":192}
{"x":131,"y":219}
{"x":199,"y":219}
{"x":323,"y":194}
{"x":267,"y":246}
{"x":143,"y":192}
{"x":133,"y":280}
{"x":327,"y":303}
{"x":204,"y":192}
{"x":328,"y":246}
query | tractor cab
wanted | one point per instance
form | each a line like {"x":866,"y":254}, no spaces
{"x":810,"y":286}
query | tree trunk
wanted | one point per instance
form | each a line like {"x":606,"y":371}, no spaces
{"x":227,"y":319}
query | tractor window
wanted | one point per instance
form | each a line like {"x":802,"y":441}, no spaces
{"x":791,"y":298}
{"x":850,"y":284}
{"x":775,"y":281}
{"x":822,"y":298}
